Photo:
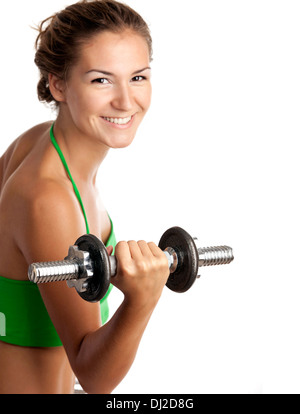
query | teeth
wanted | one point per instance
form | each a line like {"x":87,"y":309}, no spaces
{"x":119,"y":121}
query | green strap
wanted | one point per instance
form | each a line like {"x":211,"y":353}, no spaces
{"x":61,"y":155}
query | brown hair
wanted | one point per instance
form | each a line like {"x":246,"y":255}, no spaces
{"x":61,"y":35}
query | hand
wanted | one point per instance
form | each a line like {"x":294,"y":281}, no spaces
{"x":142,"y":272}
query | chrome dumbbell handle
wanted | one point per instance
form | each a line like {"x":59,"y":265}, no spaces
{"x":170,"y":255}
{"x":89,"y":268}
{"x":208,"y":256}
{"x":78,"y":265}
{"x":73,"y":267}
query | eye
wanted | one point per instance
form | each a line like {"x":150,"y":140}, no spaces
{"x":103,"y":81}
{"x":138,"y":78}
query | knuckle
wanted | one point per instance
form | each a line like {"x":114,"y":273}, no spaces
{"x":142,"y":267}
{"x":121,"y":245}
{"x":141,"y":243}
{"x":125,"y":269}
{"x":131,"y":242}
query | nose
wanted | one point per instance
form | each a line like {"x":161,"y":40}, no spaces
{"x":122,"y":99}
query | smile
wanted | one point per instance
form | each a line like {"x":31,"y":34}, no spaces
{"x":118,"y":121}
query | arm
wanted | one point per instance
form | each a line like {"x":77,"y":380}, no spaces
{"x":110,"y":351}
{"x":99,"y":356}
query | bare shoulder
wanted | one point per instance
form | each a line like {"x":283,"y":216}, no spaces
{"x":38,"y":208}
{"x":26,"y":138}
{"x":49,"y":221}
{"x":19,"y":149}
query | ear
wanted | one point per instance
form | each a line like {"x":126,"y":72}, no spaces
{"x":57,"y":87}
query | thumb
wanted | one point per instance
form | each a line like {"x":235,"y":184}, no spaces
{"x":109,"y":250}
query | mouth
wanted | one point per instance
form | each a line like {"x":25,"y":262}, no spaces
{"x":118,"y":121}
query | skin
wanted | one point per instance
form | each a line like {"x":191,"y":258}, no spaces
{"x":40,"y":218}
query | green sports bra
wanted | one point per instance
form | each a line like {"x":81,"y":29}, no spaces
{"x":24,"y":319}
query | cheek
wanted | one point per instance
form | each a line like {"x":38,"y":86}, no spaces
{"x":83,"y":106}
{"x":145,"y":98}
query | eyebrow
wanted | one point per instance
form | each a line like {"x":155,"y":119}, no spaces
{"x":104,"y":72}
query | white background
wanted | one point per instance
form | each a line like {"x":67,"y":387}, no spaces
{"x":217,"y":155}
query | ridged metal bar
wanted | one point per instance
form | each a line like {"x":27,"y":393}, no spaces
{"x":44,"y":272}
{"x":212,"y":256}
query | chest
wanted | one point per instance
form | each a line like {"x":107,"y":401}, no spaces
{"x":97,"y":216}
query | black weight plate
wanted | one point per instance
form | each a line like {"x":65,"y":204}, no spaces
{"x":99,"y":283}
{"x":186,"y":272}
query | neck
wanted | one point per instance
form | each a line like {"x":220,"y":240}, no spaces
{"x":83,"y":155}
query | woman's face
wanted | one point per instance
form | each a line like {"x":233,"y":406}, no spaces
{"x":108,"y":91}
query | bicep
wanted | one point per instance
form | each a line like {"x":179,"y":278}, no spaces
{"x":51,"y":227}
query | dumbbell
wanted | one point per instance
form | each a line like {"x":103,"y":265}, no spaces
{"x":89,"y":268}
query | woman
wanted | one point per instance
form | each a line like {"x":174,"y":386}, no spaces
{"x":94,"y":60}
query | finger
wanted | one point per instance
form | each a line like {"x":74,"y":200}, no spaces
{"x":122,"y":251}
{"x":109,"y":250}
{"x":145,"y":250}
{"x":155,"y":250}
{"x":135,"y":250}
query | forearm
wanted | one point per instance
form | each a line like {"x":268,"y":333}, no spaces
{"x":106,"y":355}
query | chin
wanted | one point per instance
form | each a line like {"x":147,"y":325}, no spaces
{"x":121,"y":142}
{"x":120,"y":145}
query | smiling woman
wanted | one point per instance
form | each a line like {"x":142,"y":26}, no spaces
{"x":94,"y":60}
{"x":108,"y":108}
